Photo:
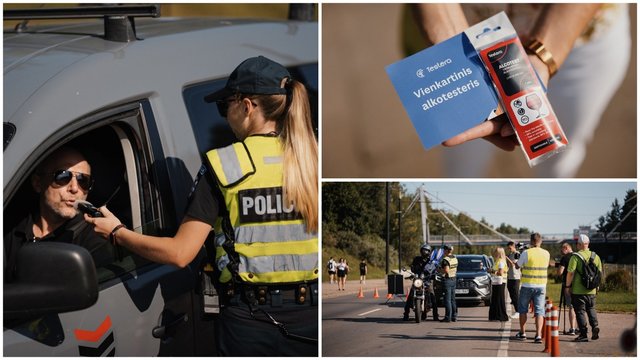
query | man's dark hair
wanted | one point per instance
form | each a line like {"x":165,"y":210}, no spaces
{"x":65,"y":149}
{"x":511,"y":243}
{"x":536,"y":237}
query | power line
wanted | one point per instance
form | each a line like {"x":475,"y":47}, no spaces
{"x":502,"y":236}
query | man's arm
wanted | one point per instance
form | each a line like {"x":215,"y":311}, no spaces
{"x":568,"y":284}
{"x":560,"y":269}
{"x":522,"y":260}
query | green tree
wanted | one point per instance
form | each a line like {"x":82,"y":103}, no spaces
{"x":613,"y":218}
{"x":629,"y":210}
{"x":357,"y":207}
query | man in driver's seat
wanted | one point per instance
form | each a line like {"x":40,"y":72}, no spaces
{"x":60,"y":180}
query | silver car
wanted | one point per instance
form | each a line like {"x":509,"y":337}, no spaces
{"x":133,"y":101}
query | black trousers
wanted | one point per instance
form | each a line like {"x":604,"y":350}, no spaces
{"x":585,"y":307}
{"x":513,"y":286}
{"x":498,"y":308}
{"x":238,"y":333}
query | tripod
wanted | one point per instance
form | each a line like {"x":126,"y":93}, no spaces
{"x":563,"y":306}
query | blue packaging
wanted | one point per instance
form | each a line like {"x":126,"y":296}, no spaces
{"x":444,"y":89}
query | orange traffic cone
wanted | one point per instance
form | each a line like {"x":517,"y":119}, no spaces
{"x":360,"y":294}
{"x":555,"y":334}
{"x":389,"y":296}
{"x":375,"y":294}
{"x":546,"y":332}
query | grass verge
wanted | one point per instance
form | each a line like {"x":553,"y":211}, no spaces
{"x":617,"y":301}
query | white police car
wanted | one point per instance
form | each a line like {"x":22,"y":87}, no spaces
{"x":130,"y":92}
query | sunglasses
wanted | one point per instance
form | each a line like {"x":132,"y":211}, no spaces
{"x":223,"y":106}
{"x":63,"y":177}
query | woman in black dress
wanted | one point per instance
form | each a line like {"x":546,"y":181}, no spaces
{"x":498,"y":308}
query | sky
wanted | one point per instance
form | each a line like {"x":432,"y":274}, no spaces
{"x":544,"y":207}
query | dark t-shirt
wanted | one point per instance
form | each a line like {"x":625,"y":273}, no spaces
{"x":564,"y":261}
{"x":205,"y":198}
{"x":75,"y":231}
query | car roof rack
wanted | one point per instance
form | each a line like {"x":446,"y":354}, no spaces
{"x":118,"y":19}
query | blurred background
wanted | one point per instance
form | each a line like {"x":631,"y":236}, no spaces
{"x":367,"y":133}
{"x":263,"y":11}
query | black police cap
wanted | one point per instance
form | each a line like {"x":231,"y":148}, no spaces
{"x":257,"y":75}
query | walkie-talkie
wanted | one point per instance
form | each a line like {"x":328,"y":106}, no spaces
{"x":87,"y":208}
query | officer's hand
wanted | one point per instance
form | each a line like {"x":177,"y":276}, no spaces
{"x":103,"y":225}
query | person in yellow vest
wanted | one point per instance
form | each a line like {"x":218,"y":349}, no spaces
{"x":260,"y":195}
{"x":449,"y":265}
{"x":534,"y":263}
{"x":583,"y":299}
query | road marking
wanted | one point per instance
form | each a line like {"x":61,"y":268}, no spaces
{"x":369,"y":312}
{"x":503,"y":351}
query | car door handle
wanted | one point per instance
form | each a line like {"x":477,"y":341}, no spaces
{"x":160,"y":331}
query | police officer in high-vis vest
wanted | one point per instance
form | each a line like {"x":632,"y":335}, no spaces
{"x":449,"y":265}
{"x":260,"y":197}
{"x":533,"y":284}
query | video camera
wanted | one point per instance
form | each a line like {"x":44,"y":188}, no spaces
{"x":520,"y":247}
{"x":557,"y":262}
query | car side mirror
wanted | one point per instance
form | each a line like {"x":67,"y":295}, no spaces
{"x":50,"y":277}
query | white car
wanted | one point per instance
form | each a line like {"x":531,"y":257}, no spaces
{"x":132,"y":99}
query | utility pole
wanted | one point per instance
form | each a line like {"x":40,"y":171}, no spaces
{"x":399,"y":226}
{"x":423,"y":211}
{"x":386,"y":256}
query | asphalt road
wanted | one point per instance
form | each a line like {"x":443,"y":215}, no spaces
{"x":370,"y":327}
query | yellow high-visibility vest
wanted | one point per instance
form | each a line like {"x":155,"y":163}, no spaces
{"x":535,"y":270}
{"x":271,"y":240}
{"x":453,"y":265}
{"x":496,"y":267}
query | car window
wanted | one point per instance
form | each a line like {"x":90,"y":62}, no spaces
{"x":120,"y":167}
{"x":470,"y":264}
{"x":211,"y":130}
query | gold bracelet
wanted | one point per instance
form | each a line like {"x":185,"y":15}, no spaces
{"x":536,"y":47}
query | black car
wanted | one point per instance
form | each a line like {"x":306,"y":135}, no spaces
{"x":473,"y":280}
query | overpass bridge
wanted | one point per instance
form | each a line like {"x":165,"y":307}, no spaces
{"x":494,"y":239}
{"x":614,"y":248}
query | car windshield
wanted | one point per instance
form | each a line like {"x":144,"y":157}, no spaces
{"x":470,"y":264}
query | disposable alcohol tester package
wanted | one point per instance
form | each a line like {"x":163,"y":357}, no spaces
{"x":518,"y":87}
{"x":457,"y":84}
{"x":444,"y":89}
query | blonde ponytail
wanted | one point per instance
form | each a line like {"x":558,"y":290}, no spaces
{"x":300,"y":168}
{"x":300,"y":157}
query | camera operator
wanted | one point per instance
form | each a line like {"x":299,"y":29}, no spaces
{"x":562,"y":266}
{"x":513,"y":276}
